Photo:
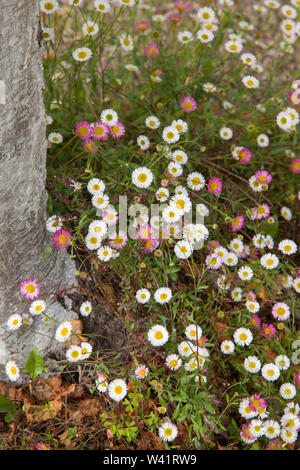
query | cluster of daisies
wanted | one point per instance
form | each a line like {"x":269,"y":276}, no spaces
{"x":109,"y":125}
{"x":261,"y":424}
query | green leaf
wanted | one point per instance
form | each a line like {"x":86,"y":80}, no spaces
{"x":9,"y":408}
{"x":34,"y":364}
{"x":47,"y":252}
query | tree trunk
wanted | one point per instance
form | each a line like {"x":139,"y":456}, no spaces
{"x":23,"y":235}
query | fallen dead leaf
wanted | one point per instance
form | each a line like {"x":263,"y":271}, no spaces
{"x":38,"y":413}
{"x":88,"y":407}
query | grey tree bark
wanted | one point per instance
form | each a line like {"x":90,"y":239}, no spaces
{"x":23,"y":235}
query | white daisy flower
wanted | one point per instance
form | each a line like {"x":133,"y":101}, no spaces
{"x":100,"y":200}
{"x":117,"y":389}
{"x":162,"y":194}
{"x":48,"y":35}
{"x":288,"y":436}
{"x":152,"y":122}
{"x":226,"y":133}
{"x":158,"y":335}
{"x":252,"y":306}
{"x":55,"y":138}
{"x":183,"y":249}
{"x":173,"y":361}
{"x":142,"y":177}
{"x":180,"y":125}
{"x":185,"y":348}
{"x":290,"y":421}
{"x":205,"y":36}
{"x":86,"y":308}
{"x":105,"y":253}
{"x":245,"y":273}
{"x":82,"y":54}
{"x":195,"y":181}
{"x":171,"y":214}
{"x":272,"y":429}
{"x":12,"y":370}
{"x":252,"y":364}
{"x":287,"y":391}
{"x":270,"y":372}
{"x":243,"y":337}
{"x":180,"y":157}
{"x":269,"y":261}
{"x":143,"y":142}
{"x":102,"y":6}
{"x":170,"y":135}
{"x":282,"y":362}
{"x":109,"y":117}
{"x":292,"y":408}
{"x":168,"y":431}
{"x":95,"y":185}
{"x":90,"y":28}
{"x":126,"y":42}
{"x":142,"y":296}
{"x":63,"y":332}
{"x":73,"y":354}
{"x":234,"y":47}
{"x":37,"y":307}
{"x":185,"y":37}
{"x":227,"y":347}
{"x":262,"y":140}
{"x":49,"y":6}
{"x":193,"y":332}
{"x":14,"y":322}
{"x":236,"y":294}
{"x":163,"y":295}
{"x":256,"y":427}
{"x":92,"y":241}
{"x":86,"y":350}
{"x":287,"y":247}
{"x":250,"y":82}
{"x":98,"y":228}
{"x":296,"y":284}
{"x":175,"y":169}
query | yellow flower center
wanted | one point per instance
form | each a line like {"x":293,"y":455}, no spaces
{"x":30,"y":288}
{"x":158,"y":335}
{"x":118,"y":389}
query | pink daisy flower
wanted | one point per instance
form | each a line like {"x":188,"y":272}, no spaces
{"x":263,"y":211}
{"x":110,"y":215}
{"x":174,"y":18}
{"x":294,"y":97}
{"x":42,"y":446}
{"x":61,"y":238}
{"x":83,"y":130}
{"x":182,"y":6}
{"x":263,"y":177}
{"x":245,"y":252}
{"x":118,"y":240}
{"x":298,"y":379}
{"x":100,"y":131}
{"x":141,"y":372}
{"x":211,"y":246}
{"x":118,"y":130}
{"x":274,"y":444}
{"x":295,"y":166}
{"x":254,"y":252}
{"x":255,"y":321}
{"x":256,"y":402}
{"x":29,"y":289}
{"x":244,"y":156}
{"x":142,"y":26}
{"x":152,"y":50}
{"x":213,"y":262}
{"x":188,"y":104}
{"x":268,"y":330}
{"x":150,"y":245}
{"x":281,"y":311}
{"x":237,"y":223}
{"x":145,"y":232}
{"x":214,"y":185}
{"x":245,"y":432}
{"x":90,"y":146}
{"x":250,"y":295}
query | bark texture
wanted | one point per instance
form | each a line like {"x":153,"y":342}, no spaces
{"x":23,"y":236}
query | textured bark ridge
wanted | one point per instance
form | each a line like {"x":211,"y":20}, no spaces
{"x":23,"y":236}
